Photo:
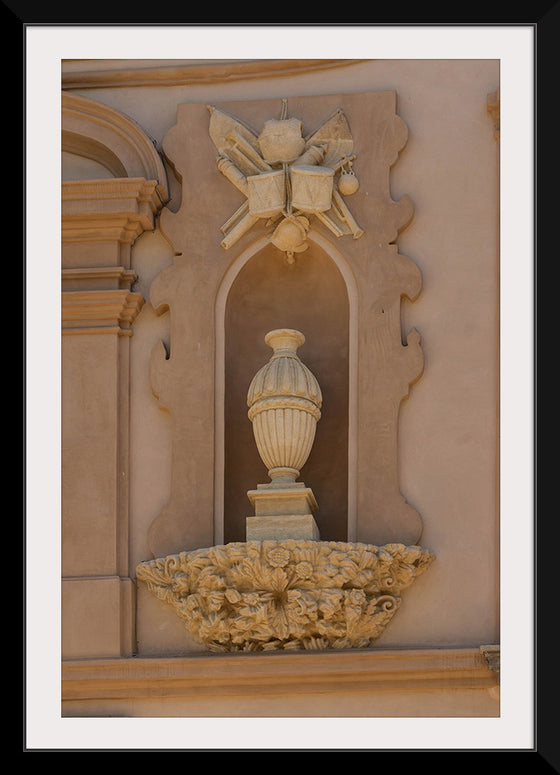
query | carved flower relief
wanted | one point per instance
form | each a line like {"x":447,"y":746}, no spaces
{"x":286,"y":594}
{"x":278,"y":557}
{"x":304,"y":570}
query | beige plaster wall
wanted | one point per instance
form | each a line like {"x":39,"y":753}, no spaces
{"x":448,"y":430}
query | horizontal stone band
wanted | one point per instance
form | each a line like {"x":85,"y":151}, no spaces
{"x":284,"y":402}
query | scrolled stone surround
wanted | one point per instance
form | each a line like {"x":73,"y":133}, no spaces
{"x":390,"y":362}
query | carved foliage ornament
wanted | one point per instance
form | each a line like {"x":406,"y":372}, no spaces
{"x":287,"y":178}
{"x":290,"y":594}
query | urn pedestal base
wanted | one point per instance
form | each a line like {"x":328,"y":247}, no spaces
{"x":282,"y":510}
{"x":274,"y":499}
{"x":301,"y":527}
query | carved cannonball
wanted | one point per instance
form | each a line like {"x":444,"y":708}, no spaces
{"x":348,"y":183}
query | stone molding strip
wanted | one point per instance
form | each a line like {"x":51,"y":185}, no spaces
{"x":194,"y":74}
{"x":97,"y":278}
{"x":108,"y":193}
{"x":129,"y":203}
{"x":276,"y":674}
{"x":114,"y":209}
{"x":101,"y":311}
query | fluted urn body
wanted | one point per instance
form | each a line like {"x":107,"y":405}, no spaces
{"x":284,"y":401}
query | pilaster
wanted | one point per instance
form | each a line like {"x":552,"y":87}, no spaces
{"x":101,"y":219}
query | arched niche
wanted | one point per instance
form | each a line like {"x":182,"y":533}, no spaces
{"x":315,"y":295}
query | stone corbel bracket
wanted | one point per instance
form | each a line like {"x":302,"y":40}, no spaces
{"x":284,"y":595}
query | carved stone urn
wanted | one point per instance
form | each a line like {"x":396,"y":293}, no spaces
{"x":284,"y":401}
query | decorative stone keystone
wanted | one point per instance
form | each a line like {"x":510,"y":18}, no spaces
{"x":284,"y":401}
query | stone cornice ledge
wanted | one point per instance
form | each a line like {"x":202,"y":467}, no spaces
{"x":100,"y":311}
{"x":275,"y":673}
{"x":189,"y":73}
{"x":97,"y":278}
{"x":116,"y":208}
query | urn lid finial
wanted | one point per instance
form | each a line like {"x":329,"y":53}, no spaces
{"x":284,"y":340}
{"x":284,"y":375}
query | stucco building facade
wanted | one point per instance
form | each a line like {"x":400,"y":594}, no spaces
{"x":163,"y":330}
{"x":187,"y":236}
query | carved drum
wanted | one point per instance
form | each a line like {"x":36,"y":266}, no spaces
{"x":266,"y":193}
{"x":312,"y":188}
